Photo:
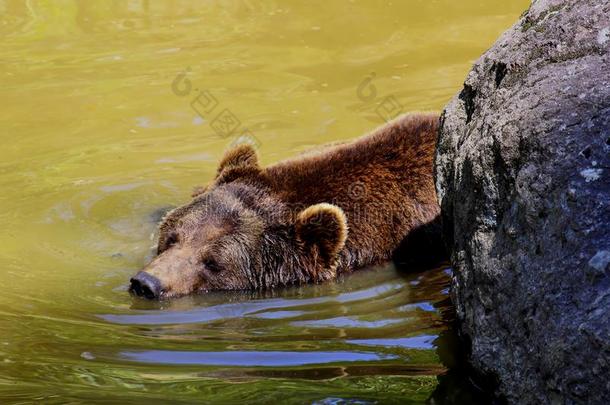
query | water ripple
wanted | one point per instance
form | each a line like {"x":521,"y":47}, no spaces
{"x":254,"y":308}
{"x":251,"y":358}
{"x":415,"y":342}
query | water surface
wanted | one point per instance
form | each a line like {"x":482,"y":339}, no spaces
{"x":109,"y":116}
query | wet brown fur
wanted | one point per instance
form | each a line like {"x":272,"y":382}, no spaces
{"x":383,"y":182}
{"x":305,"y":219}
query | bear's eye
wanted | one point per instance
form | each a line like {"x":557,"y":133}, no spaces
{"x":211,"y":265}
{"x":170,"y":240}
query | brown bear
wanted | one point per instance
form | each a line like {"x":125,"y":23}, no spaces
{"x":302,"y":220}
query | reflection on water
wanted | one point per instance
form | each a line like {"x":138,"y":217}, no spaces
{"x":415,"y":342}
{"x":97,"y":146}
{"x":379,"y":325}
{"x":251,"y":358}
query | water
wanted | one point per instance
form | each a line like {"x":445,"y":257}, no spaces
{"x":107,"y":120}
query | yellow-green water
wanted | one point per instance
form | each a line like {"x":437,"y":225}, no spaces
{"x":99,"y":133}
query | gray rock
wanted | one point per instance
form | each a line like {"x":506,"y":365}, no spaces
{"x":523,"y":179}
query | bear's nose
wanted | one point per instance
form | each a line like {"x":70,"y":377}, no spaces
{"x":145,"y":285}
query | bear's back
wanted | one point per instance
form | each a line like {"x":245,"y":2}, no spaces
{"x":383,"y":182}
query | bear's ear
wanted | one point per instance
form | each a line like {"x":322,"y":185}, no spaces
{"x":322,"y":230}
{"x":239,"y":163}
{"x":240,"y":156}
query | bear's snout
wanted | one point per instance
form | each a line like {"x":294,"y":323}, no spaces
{"x":145,"y":285}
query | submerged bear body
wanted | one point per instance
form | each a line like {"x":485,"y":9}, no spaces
{"x":302,"y":220}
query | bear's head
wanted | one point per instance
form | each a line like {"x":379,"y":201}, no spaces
{"x":237,"y":234}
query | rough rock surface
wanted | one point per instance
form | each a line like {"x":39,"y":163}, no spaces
{"x":523,"y":178}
